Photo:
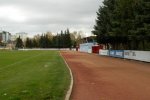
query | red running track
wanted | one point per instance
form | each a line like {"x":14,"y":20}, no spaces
{"x":105,"y":78}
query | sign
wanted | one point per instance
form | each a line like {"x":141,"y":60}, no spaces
{"x":116,"y":53}
{"x":103,"y":52}
{"x":137,"y":55}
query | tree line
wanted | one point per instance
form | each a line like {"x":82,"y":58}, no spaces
{"x":123,"y":24}
{"x":64,"y":39}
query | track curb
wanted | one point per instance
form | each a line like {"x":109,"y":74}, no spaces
{"x":68,"y":94}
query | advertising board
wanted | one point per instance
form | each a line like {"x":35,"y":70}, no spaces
{"x":116,"y":53}
{"x":103,"y":52}
{"x":137,"y":55}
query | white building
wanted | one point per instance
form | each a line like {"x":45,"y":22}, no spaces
{"x":85,"y":47}
{"x":13,"y":38}
{"x":5,"y":37}
{"x":22,"y":35}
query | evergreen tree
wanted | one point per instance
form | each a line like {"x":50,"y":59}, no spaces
{"x":56,"y":41}
{"x":19,"y":43}
{"x":124,"y":24}
{"x":62,"y":39}
{"x":103,"y":26}
{"x":42,"y":41}
{"x":29,"y":43}
{"x":142,"y":24}
{"x":68,"y":39}
{"x":35,"y":43}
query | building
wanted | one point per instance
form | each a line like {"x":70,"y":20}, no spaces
{"x":90,"y":39}
{"x":22,"y":35}
{"x":5,"y":37}
{"x":9,"y":41}
{"x":13,"y":38}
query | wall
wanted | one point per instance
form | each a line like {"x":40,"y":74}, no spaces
{"x":85,"y":47}
{"x":89,"y":50}
{"x":127,"y":54}
{"x":116,"y":53}
{"x":137,"y":55}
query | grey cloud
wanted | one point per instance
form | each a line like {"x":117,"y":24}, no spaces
{"x":44,"y":15}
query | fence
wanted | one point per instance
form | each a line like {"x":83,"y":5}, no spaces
{"x":104,"y":52}
{"x":127,"y":54}
{"x":116,"y":53}
{"x":137,"y":55}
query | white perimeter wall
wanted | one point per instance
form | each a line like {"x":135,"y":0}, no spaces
{"x":137,"y":55}
{"x":46,"y":49}
{"x":129,"y":54}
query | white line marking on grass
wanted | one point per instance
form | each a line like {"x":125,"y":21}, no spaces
{"x":71,"y":83}
{"x":20,"y":61}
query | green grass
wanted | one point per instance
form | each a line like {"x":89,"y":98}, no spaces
{"x":33,"y":75}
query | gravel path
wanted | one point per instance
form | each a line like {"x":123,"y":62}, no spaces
{"x":105,"y":78}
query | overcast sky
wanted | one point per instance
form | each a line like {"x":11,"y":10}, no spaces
{"x":39,"y":16}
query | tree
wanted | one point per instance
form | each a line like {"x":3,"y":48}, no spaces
{"x":73,"y":38}
{"x":49,"y":37}
{"x":29,"y":43}
{"x":68,"y":39}
{"x":103,"y":27}
{"x":142,"y":23}
{"x":123,"y":24}
{"x":35,"y":43}
{"x":19,"y":43}
{"x":62,"y":40}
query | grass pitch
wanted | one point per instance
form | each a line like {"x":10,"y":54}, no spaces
{"x":33,"y":75}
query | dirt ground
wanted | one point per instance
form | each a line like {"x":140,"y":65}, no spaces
{"x":105,"y":78}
